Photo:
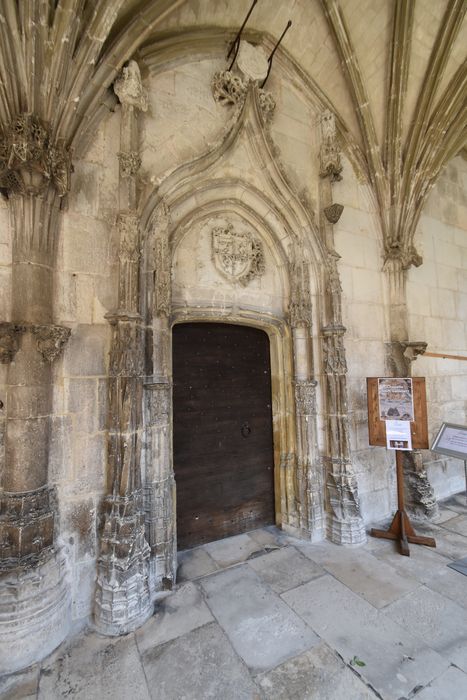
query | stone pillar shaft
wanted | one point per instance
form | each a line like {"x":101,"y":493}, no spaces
{"x":122,"y":594}
{"x":34,"y":588}
{"x":345,"y":524}
{"x":308,"y":482}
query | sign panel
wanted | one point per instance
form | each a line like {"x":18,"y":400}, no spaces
{"x":451,"y":441}
{"x":398,"y":435}
{"x":395,"y":396}
{"x":418,"y":426}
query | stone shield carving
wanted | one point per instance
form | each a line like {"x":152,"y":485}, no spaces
{"x":237,"y":255}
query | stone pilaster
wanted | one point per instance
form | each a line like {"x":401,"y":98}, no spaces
{"x":345,"y":523}
{"x":160,"y":482}
{"x":309,"y":497}
{"x":122,"y":601}
{"x":34,"y":586}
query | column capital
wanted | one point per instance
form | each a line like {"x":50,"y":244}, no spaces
{"x":31,"y":159}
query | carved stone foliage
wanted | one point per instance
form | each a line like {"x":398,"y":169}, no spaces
{"x":51,"y":340}
{"x":26,"y":527}
{"x":129,"y":89}
{"x":398,"y":255}
{"x":330,"y":158}
{"x":267,"y":104}
{"x":30,"y":159}
{"x":127,"y":223}
{"x":237,"y":255}
{"x":305,"y":397}
{"x":10,"y":334}
{"x":231,"y":89}
{"x":333,"y":213}
{"x":130,"y":163}
{"x":227,"y":88}
{"x":300,"y":309}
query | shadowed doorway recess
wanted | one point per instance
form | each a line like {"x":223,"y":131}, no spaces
{"x":223,"y":445}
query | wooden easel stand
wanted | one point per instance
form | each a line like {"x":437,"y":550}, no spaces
{"x":401,"y":528}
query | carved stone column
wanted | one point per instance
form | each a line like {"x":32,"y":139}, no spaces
{"x":309,"y":496}
{"x":160,"y":482}
{"x":400,"y":353}
{"x":122,"y":594}
{"x":34,"y":589}
{"x":345,"y":524}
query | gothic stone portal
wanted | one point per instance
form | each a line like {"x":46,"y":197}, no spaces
{"x":223,"y":445}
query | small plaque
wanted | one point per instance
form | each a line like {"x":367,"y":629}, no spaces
{"x":451,"y":441}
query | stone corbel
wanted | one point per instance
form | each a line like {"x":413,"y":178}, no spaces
{"x":129,"y":89}
{"x":51,"y":340}
{"x":413,"y":349}
{"x":10,"y":334}
{"x":333,"y":213}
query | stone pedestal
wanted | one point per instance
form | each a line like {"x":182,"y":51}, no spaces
{"x":122,"y":595}
{"x":35,"y":610}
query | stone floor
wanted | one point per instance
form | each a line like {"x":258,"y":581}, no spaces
{"x":263,"y":615}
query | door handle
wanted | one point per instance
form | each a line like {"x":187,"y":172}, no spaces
{"x":245,"y":429}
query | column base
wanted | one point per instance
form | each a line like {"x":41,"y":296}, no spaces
{"x":35,"y":610}
{"x":122,"y":602}
{"x":350,"y":531}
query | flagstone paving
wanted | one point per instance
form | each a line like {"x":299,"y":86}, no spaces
{"x":264,"y":616}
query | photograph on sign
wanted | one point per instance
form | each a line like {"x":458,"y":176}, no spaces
{"x":398,"y":436}
{"x":395,"y":397}
{"x":451,"y":441}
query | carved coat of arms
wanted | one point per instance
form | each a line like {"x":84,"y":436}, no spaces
{"x":237,"y":255}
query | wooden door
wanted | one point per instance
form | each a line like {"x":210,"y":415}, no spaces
{"x":223,"y":448}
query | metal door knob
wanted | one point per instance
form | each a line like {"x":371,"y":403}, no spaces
{"x":245,"y":430}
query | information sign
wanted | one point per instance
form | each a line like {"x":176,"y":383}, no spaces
{"x":451,"y":441}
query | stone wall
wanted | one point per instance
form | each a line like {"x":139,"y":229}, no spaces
{"x":437,"y":299}
{"x":85,"y":290}
{"x":183,"y":121}
{"x":365,"y":315}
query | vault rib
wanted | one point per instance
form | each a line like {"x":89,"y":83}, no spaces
{"x":448,"y":31}
{"x":360,"y":99}
{"x":399,"y":70}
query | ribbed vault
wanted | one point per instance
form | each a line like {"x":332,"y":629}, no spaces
{"x":394,"y":72}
